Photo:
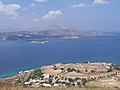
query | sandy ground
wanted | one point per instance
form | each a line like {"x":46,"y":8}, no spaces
{"x":72,"y":88}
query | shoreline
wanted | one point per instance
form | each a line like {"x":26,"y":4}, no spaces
{"x":14,"y":72}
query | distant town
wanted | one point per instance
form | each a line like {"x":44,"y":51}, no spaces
{"x":56,"y":33}
{"x":86,"y":74}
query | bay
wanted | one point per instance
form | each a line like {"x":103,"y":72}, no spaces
{"x":21,"y":55}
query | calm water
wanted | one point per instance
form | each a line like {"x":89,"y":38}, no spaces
{"x":21,"y":55}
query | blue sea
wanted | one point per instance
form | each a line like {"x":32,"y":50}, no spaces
{"x":21,"y":55}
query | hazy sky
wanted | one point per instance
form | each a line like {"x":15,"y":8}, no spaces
{"x":102,"y":15}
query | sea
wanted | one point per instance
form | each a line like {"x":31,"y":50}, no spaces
{"x":22,"y":55}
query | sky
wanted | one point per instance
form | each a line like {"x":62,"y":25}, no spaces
{"x":99,"y":15}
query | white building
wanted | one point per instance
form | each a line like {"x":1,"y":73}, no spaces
{"x":46,"y":76}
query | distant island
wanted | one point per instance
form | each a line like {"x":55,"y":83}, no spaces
{"x":39,"y":41}
{"x":86,"y":74}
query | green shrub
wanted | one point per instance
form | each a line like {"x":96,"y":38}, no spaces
{"x":92,"y":71}
{"x":70,"y":80}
